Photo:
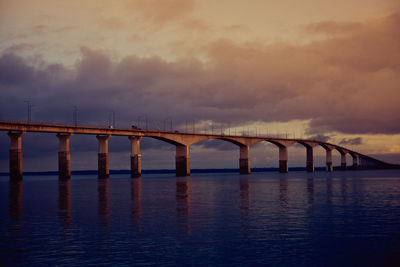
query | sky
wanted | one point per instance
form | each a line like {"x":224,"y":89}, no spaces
{"x":326,"y":70}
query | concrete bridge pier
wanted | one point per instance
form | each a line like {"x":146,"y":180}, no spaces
{"x":343,"y":163}
{"x":283,"y":159}
{"x":64,"y":157}
{"x":355,"y":161}
{"x":362,"y":163}
{"x":329,"y":164}
{"x":103,"y":157}
{"x":136,"y":157}
{"x":182,"y":160}
{"x":244,"y":160}
{"x":16,"y":155}
{"x":310,"y":159}
{"x":370,"y":163}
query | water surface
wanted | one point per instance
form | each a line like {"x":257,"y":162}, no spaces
{"x":319,"y":219}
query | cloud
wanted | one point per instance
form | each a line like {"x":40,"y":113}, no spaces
{"x":394,"y":149}
{"x":347,"y":84}
{"x":111,"y":23}
{"x":237,"y":28}
{"x":160,"y":12}
{"x":195,"y":25}
{"x":14,"y":71}
{"x":393,"y":158}
{"x":40,"y":29}
{"x":64,"y":29}
{"x":218,"y":145}
{"x":351,"y":141}
{"x":333,"y":27}
{"x":320,"y":137}
{"x":20,"y":47}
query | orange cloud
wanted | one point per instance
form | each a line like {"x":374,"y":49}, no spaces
{"x":164,"y":11}
{"x":111,"y":23}
{"x":333,"y":27}
{"x":195,"y":25}
{"x":394,"y":149}
{"x":347,"y":83}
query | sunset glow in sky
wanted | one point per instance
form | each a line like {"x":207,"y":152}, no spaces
{"x":313,"y":68}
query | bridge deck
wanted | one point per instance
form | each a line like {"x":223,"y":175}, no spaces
{"x":174,"y":137}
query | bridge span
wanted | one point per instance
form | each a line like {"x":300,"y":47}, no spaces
{"x":181,"y":140}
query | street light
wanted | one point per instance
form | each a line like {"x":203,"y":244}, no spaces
{"x":145,"y":118}
{"x":168,"y":119}
{"x":29,"y":107}
{"x":111,"y":118}
{"x":75,"y":116}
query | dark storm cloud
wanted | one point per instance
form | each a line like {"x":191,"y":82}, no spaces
{"x":14,"y":71}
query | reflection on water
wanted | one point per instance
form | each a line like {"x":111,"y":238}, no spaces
{"x":15,"y":250}
{"x":183,"y":202}
{"x":329,"y":190}
{"x":244,"y":195}
{"x":15,"y":203}
{"x":104,"y":201}
{"x":319,"y":219}
{"x":136,"y":196}
{"x":343,"y":190}
{"x":310,"y":190}
{"x":244,"y":204}
{"x":64,"y":202}
{"x":283,"y":194}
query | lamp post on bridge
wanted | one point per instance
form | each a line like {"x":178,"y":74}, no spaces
{"x":75,"y":116}
{"x":111,"y":118}
{"x":145,"y":119}
{"x":168,"y":119}
{"x":29,"y":109}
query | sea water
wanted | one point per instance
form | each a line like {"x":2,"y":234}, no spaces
{"x":347,"y":218}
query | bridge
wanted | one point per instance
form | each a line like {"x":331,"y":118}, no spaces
{"x":182,"y":142}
